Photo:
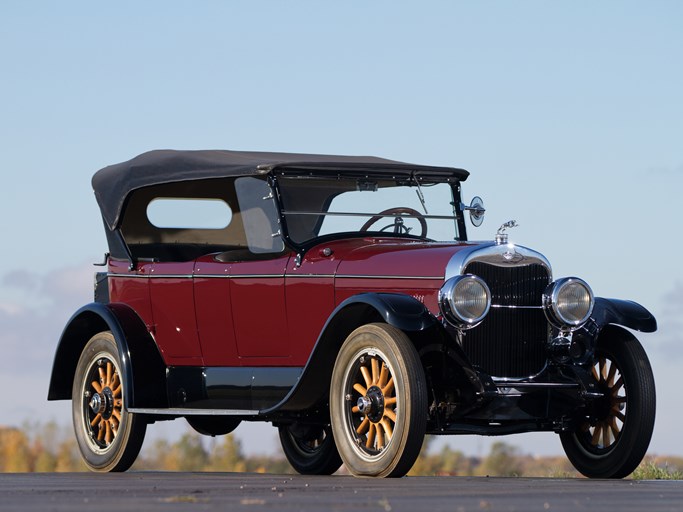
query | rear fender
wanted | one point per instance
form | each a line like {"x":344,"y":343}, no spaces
{"x":142,"y":367}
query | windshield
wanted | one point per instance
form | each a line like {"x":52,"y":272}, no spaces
{"x":409,"y":206}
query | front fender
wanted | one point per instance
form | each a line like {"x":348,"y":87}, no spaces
{"x":623,"y":312}
{"x":142,"y":367}
{"x":402,"y":311}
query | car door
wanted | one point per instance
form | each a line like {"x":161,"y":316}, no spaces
{"x":257,"y":298}
{"x":257,"y":279}
{"x":214,"y":312}
{"x":310,"y":299}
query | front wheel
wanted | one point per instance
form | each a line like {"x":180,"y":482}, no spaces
{"x":612,"y":440}
{"x":378,"y":402}
{"x":108,"y":436}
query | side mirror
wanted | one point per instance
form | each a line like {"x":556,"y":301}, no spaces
{"x":477,"y":211}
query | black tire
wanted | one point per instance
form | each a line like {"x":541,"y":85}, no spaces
{"x":108,"y":436}
{"x":378,"y":368}
{"x":310,"y":449}
{"x":612,"y":440}
{"x":213,"y":425}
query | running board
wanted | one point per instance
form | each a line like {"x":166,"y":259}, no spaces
{"x":193,"y":412}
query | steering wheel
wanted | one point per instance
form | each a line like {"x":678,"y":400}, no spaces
{"x":397,"y":224}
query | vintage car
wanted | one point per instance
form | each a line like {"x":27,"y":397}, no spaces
{"x":340,"y":299}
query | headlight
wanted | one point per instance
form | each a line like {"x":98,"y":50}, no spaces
{"x":568,"y":303}
{"x":464,"y":300}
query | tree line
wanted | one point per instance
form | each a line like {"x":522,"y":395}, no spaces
{"x":50,"y":448}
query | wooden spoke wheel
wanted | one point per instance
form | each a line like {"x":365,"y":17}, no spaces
{"x":613,"y":438}
{"x":378,"y":402}
{"x":108,"y":436}
{"x":374,"y":416}
{"x":607,"y":426}
{"x":310,"y":449}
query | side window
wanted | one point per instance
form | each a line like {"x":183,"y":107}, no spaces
{"x":189,"y":213}
{"x":259,"y":215}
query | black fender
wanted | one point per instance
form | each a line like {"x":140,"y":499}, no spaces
{"x":402,"y":311}
{"x":623,"y":312}
{"x":142,"y":366}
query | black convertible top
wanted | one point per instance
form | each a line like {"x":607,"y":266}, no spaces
{"x":114,"y":183}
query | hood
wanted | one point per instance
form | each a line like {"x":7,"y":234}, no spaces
{"x":435,"y":260}
{"x":398,"y":258}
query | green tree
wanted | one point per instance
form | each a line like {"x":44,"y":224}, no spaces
{"x":227,"y":456}
{"x":188,"y":454}
{"x":502,"y":460}
{"x":454,"y":462}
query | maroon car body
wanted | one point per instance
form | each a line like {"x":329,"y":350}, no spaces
{"x":340,"y":299}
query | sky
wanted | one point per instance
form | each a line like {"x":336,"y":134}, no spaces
{"x":569,"y":115}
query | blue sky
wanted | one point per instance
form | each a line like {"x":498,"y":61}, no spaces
{"x":569,"y":116}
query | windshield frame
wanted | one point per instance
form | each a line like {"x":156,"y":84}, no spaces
{"x":415,"y":177}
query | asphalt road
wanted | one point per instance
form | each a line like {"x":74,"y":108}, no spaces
{"x":153,"y":491}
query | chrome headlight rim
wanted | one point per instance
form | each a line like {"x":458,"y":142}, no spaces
{"x":449,"y":305}
{"x":553,"y":308}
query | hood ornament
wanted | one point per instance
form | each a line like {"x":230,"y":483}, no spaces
{"x":501,"y":235}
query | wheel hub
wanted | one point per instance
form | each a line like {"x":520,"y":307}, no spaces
{"x":102,"y":403}
{"x":372,"y":404}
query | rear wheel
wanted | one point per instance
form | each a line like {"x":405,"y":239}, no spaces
{"x":612,"y":440}
{"x":310,"y":449}
{"x":108,"y":436}
{"x":378,"y":402}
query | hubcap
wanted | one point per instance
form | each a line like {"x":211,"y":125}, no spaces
{"x":364,"y":405}
{"x":97,"y":403}
{"x":103,"y":403}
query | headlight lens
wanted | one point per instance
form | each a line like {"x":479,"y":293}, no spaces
{"x":465,"y":300}
{"x":568,"y":303}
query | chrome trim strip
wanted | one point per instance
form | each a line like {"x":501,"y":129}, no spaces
{"x":194,"y":412}
{"x":251,"y":276}
{"x":312,"y":276}
{"x":507,"y":255}
{"x":170,"y":276}
{"x":201,"y":276}
{"x":274,"y":276}
{"x":503,"y":306}
{"x":362,"y":276}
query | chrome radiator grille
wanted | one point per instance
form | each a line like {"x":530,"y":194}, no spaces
{"x":510,"y":342}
